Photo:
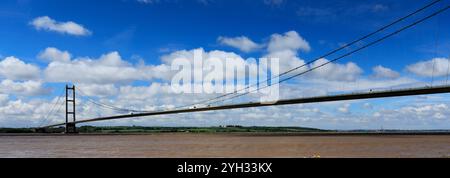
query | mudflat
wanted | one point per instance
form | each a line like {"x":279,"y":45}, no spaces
{"x":188,"y":145}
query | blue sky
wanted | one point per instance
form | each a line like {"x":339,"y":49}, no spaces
{"x":144,"y":31}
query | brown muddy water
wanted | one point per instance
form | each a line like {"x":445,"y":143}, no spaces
{"x":224,"y":145}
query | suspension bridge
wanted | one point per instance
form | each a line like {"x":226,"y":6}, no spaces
{"x":216,"y":103}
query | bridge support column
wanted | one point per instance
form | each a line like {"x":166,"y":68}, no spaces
{"x":70,"y":110}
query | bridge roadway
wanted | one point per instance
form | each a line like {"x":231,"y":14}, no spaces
{"x":342,"y":97}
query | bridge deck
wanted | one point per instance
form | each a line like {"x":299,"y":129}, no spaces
{"x":344,"y":97}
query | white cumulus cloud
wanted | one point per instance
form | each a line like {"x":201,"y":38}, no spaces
{"x":288,"y":41}
{"x":434,"y":67}
{"x":208,"y":59}
{"x":381,"y":72}
{"x":70,"y":27}
{"x":286,"y":47}
{"x":242,"y":43}
{"x":15,"y":69}
{"x":344,"y":108}
{"x":335,"y":71}
{"x":27,"y":88}
{"x":110,"y":68}
{"x":54,"y":54}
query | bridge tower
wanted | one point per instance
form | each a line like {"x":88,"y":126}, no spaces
{"x":70,"y":110}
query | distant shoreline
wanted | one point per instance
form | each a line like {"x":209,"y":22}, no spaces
{"x":141,"y":129}
{"x":230,"y":130}
{"x":250,"y":134}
